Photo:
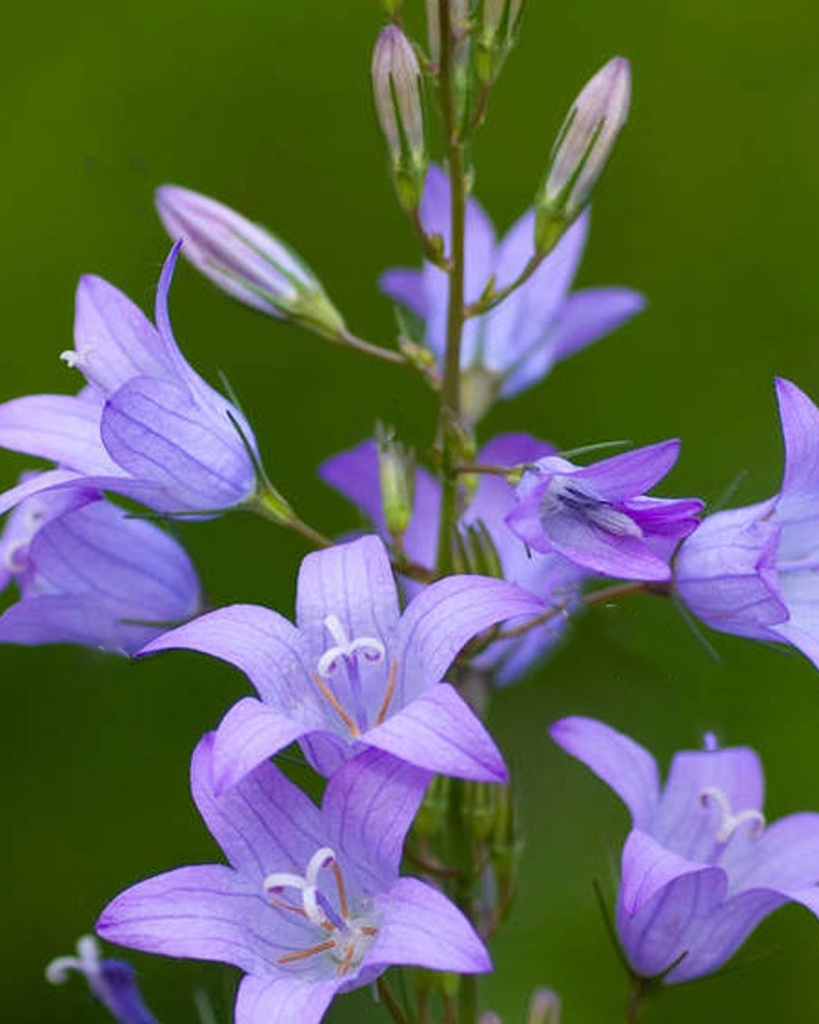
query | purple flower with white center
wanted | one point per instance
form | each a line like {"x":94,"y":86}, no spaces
{"x":312,"y":903}
{"x":245,"y":260}
{"x":89,"y":574}
{"x":147,"y":425}
{"x":516,"y":344}
{"x":552,"y":578}
{"x":598,"y":517}
{"x":354,"y":672}
{"x":700,"y":869}
{"x":753,"y":571}
{"x":113,"y":982}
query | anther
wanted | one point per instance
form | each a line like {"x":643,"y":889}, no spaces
{"x":565,"y":495}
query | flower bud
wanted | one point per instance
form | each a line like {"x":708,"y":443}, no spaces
{"x":397,"y":90}
{"x":498,"y":27}
{"x":458,"y":19}
{"x":582,"y":149}
{"x":396,"y":474}
{"x":545,"y":1007}
{"x":246,"y":261}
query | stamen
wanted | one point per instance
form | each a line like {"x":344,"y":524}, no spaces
{"x":385,"y":704}
{"x":328,"y":694}
{"x":731,"y":822}
{"x":567,"y":496}
{"x":342,"y":895}
{"x":302,"y":954}
{"x":344,"y":966}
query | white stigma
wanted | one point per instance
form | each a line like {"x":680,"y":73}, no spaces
{"x":344,"y":649}
{"x":345,"y":936}
{"x":76,"y":359}
{"x":86,"y":962}
{"x":731,"y":822}
{"x":565,"y":495}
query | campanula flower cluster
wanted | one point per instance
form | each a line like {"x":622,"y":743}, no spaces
{"x":473,"y":559}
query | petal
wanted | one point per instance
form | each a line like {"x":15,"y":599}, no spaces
{"x":113,"y":338}
{"x":586,"y":543}
{"x":647,"y":867}
{"x":368,"y":808}
{"x":283,"y":1000}
{"x":631,"y":473}
{"x":725,"y":572}
{"x":39,"y":483}
{"x":250,"y":733}
{"x":157,"y":432}
{"x":494,"y":496}
{"x":441,"y":619}
{"x":264,"y":824}
{"x":407,"y":287}
{"x":354,"y":583}
{"x":688,"y":822}
{"x":715,"y":938}
{"x":621,"y":763}
{"x":785,"y":856}
{"x":260,"y":642}
{"x":207,"y":912}
{"x":61,"y":619}
{"x":589,"y":315}
{"x":422,"y":928}
{"x":62,"y":428}
{"x":672,"y":923}
{"x":440,"y":732}
{"x":800,"y":429}
{"x":354,"y":473}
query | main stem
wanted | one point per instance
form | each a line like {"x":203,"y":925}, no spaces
{"x":450,"y":412}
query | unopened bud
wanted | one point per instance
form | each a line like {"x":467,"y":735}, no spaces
{"x":545,"y":1007}
{"x":397,"y":90}
{"x":246,"y":261}
{"x":392,"y":7}
{"x":396,"y":474}
{"x":499,"y":23}
{"x":458,"y":20}
{"x":582,"y":150}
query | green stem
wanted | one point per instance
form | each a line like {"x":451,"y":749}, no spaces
{"x":351,"y":340}
{"x":450,"y":411}
{"x":391,"y":1003}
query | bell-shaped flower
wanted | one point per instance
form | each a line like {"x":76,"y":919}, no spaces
{"x":89,"y":574}
{"x":553,"y":579}
{"x":147,"y":425}
{"x":112,"y":982}
{"x":754,"y":571}
{"x":515,"y":345}
{"x":598,"y":517}
{"x":312,"y":903}
{"x":700,"y":869}
{"x":354,"y":672}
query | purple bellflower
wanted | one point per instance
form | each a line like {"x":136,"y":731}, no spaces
{"x":553,"y":579}
{"x":112,"y":982}
{"x":753,"y":571}
{"x":516,"y":344}
{"x":598,"y":517}
{"x":89,"y":574}
{"x":700,"y":870}
{"x":312,"y":903}
{"x":147,"y":425}
{"x":354,"y":672}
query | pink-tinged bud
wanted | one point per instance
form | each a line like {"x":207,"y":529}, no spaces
{"x":397,"y":90}
{"x":545,"y":1007}
{"x":245,"y":260}
{"x":582,"y":149}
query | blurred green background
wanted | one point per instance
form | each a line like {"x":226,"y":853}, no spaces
{"x":711,"y":207}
